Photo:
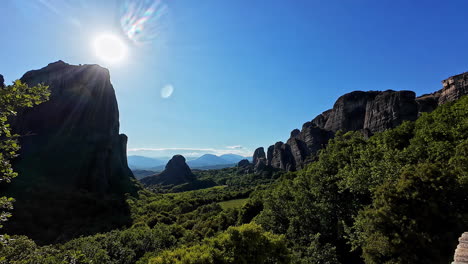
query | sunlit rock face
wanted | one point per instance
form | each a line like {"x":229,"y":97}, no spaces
{"x":176,"y":172}
{"x":368,"y":112}
{"x":461,"y":253}
{"x":72,"y":156}
{"x":454,"y":88}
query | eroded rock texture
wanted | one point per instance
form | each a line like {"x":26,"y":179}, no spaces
{"x":454,"y":88}
{"x":461,"y":253}
{"x":368,"y":112}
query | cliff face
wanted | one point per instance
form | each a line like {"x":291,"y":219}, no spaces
{"x":71,"y":153}
{"x":176,"y":172}
{"x":73,"y":139}
{"x":368,"y":112}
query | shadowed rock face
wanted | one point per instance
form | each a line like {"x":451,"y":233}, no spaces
{"x":74,"y":137}
{"x":349,"y":111}
{"x":243,"y":163}
{"x":176,"y":172}
{"x":280,"y":156}
{"x":368,"y":112}
{"x":2,"y":81}
{"x":259,"y":159}
{"x":71,"y":156}
{"x":389,"y":109}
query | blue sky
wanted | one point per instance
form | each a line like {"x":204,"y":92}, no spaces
{"x":244,"y":73}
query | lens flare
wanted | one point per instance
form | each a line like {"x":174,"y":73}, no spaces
{"x":167,"y":91}
{"x":143,"y":20}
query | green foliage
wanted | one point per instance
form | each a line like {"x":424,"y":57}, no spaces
{"x":12,"y":99}
{"x":425,"y":209}
{"x":240,"y":245}
{"x":236,"y":203}
{"x":398,"y":197}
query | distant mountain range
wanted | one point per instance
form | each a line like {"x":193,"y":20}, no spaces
{"x":142,"y":163}
{"x":207,"y":161}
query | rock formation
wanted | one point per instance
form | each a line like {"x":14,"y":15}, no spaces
{"x":2,"y":81}
{"x":243,"y":163}
{"x":279,"y":156}
{"x":176,"y":172}
{"x":74,"y":137}
{"x":453,"y":88}
{"x":368,"y":112}
{"x":461,"y":253}
{"x":259,"y":159}
{"x":71,"y":154}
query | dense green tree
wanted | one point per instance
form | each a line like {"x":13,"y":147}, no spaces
{"x":12,"y":99}
{"x":238,"y":245}
{"x":415,"y":173}
{"x":415,"y":220}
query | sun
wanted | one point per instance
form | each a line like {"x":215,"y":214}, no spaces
{"x":109,"y":48}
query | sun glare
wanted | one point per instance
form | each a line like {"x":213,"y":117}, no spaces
{"x":110,"y":48}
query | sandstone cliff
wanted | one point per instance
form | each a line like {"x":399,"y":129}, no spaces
{"x":368,"y":112}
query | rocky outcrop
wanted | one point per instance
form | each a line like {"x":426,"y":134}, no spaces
{"x":2,"y":81}
{"x":176,"y":172}
{"x":71,"y":156}
{"x":368,"y":112}
{"x":259,"y":159}
{"x":73,"y":139}
{"x":307,"y":142}
{"x":454,"y":88}
{"x":280,"y":156}
{"x":243,"y":163}
{"x":461,"y":253}
{"x":259,"y":155}
{"x":375,"y":111}
{"x":349,"y":111}
{"x":389,"y":109}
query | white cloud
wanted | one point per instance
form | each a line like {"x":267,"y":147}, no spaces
{"x":234,"y":147}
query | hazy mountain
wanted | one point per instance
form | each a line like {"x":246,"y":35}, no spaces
{"x":139,"y":174}
{"x":141,"y":162}
{"x":207,"y":160}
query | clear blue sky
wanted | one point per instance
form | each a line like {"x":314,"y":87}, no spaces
{"x":245,"y":73}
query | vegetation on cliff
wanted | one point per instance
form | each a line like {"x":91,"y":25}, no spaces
{"x":13,"y":98}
